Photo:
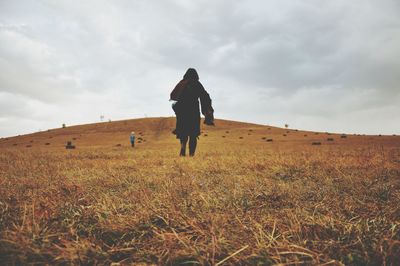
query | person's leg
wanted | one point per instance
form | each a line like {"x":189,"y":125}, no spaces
{"x":183,"y":145}
{"x":192,"y":145}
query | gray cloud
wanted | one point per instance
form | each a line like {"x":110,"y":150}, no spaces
{"x":312,"y":64}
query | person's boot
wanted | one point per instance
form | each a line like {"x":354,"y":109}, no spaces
{"x":182,"y":153}
{"x":192,"y":146}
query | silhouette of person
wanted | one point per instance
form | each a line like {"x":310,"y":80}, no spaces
{"x":186,"y":95}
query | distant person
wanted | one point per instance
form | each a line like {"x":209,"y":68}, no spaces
{"x":186,"y":107}
{"x":132,"y":139}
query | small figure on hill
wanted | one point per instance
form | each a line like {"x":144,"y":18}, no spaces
{"x":186,"y":96}
{"x":132,"y":139}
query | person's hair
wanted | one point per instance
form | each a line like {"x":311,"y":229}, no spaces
{"x":191,"y":74}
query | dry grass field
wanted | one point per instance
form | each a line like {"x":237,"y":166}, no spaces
{"x":242,"y":200}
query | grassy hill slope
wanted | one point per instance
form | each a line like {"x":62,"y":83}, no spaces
{"x":240,"y":200}
{"x":153,"y":131}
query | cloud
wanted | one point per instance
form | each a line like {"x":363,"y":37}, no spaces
{"x":311,"y":62}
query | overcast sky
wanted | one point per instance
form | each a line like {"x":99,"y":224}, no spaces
{"x":316,"y":65}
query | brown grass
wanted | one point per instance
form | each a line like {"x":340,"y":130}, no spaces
{"x":238,"y":201}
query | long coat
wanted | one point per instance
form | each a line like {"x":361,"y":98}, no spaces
{"x":187,"y":94}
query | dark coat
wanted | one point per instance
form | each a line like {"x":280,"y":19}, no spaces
{"x":187,"y":94}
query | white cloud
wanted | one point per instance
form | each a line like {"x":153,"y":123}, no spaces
{"x":317,"y":65}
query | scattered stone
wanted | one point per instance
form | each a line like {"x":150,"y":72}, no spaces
{"x":240,"y":137}
{"x":305,"y":135}
{"x":15,"y":144}
{"x":118,"y":145}
{"x":28,"y":146}
{"x":316,"y":143}
{"x":73,"y":138}
{"x":284,"y":135}
{"x":329,"y":139}
{"x":139,"y":141}
{"x":47,"y":143}
{"x":31,"y":141}
{"x":205,"y":135}
{"x":69,"y":145}
{"x":269,"y":128}
{"x":249,"y":134}
{"x":316,"y":133}
{"x":269,"y":140}
{"x":263,"y":138}
{"x":227,"y":132}
{"x":223,"y":136}
{"x":343,"y":136}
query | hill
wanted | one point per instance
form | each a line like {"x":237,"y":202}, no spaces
{"x":154,"y":131}
{"x":252,"y":195}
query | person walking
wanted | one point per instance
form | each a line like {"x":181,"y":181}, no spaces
{"x":186,"y":95}
{"x":132,"y":139}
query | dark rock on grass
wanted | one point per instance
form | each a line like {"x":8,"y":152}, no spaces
{"x":269,"y":140}
{"x":15,"y":144}
{"x":118,"y":145}
{"x":316,"y":143}
{"x":28,"y":146}
{"x":330,"y":139}
{"x":205,"y":135}
{"x":284,"y":135}
{"x":69,"y":145}
{"x":47,"y":143}
{"x":240,"y":137}
{"x":305,"y":135}
{"x":223,"y":136}
{"x":263,"y":138}
{"x":343,"y":136}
